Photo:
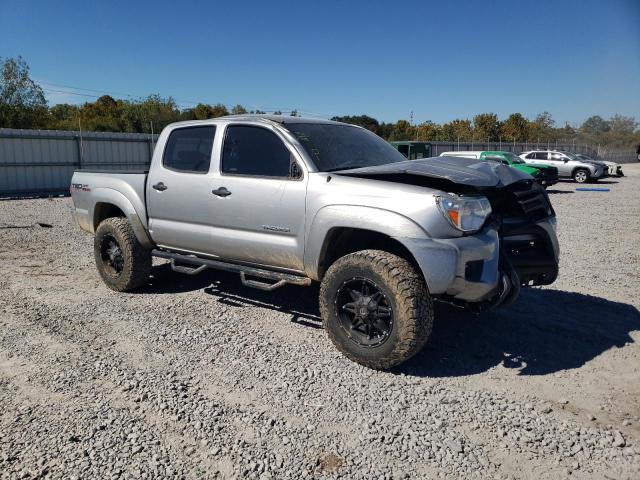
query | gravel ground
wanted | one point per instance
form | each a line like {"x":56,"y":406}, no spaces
{"x":197,"y":377}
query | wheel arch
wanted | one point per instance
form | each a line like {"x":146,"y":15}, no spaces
{"x":110,"y":203}
{"x":338,"y":230}
{"x":341,"y":241}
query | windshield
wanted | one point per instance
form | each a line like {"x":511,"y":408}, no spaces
{"x":341,"y":147}
{"x":513,"y":158}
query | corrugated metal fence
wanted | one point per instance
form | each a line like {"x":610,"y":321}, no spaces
{"x":41,"y":162}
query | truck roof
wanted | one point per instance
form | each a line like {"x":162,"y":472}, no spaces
{"x":281,"y":119}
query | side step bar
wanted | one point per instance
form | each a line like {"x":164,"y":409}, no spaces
{"x":195,"y":265}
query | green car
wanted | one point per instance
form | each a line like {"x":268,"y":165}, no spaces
{"x":545,"y":175}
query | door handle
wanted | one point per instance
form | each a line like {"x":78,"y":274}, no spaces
{"x":160,"y":187}
{"x":221,"y":192}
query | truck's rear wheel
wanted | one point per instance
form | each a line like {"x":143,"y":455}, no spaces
{"x":376,"y":308}
{"x":123,"y":263}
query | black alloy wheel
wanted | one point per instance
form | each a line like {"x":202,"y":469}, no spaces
{"x":364,"y":311}
{"x":111,"y":255}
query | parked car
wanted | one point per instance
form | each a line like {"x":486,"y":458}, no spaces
{"x":413,"y":150}
{"x":545,"y":175}
{"x":613,"y":169}
{"x":568,"y":165}
{"x":287,"y":200}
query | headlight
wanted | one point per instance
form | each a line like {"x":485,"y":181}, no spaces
{"x":465,"y":213}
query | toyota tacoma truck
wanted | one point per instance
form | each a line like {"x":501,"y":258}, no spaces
{"x":287,"y":200}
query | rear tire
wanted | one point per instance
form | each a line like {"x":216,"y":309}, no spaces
{"x":376,"y":308}
{"x":581,"y":175}
{"x":123,"y":263}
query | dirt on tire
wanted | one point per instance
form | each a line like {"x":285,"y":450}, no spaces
{"x":137,"y":259}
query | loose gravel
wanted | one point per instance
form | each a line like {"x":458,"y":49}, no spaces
{"x":198,"y":377}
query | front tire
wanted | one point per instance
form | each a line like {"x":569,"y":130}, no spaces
{"x":376,"y":308}
{"x":581,"y":175}
{"x":123,"y":263}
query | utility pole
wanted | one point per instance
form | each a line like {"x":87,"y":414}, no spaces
{"x":411,"y":117}
{"x":81,"y":145}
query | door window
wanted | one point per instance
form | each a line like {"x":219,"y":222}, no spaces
{"x":557,"y":157}
{"x":541,"y":156}
{"x":256,"y":151}
{"x":189,"y":149}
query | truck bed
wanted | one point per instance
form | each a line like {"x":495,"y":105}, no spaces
{"x":90,"y":188}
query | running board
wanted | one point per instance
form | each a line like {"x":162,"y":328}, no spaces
{"x":195,"y":265}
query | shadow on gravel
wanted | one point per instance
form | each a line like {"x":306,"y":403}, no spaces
{"x":300,"y":302}
{"x":545,"y":331}
{"x":557,"y":192}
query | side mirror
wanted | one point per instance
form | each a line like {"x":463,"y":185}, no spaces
{"x":565,"y":160}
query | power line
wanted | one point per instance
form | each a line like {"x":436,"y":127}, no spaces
{"x":180,"y":103}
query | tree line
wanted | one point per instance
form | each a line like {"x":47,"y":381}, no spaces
{"x":23,"y":105}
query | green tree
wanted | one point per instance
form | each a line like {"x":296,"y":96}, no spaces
{"x":515,"y":128}
{"x":621,"y":131}
{"x":541,"y":128}
{"x":595,"y":127}
{"x":428,"y":131}
{"x":238,"y":110}
{"x":486,"y":126}
{"x":294,"y":113}
{"x":22,"y":101}
{"x":365,"y":121}
{"x":456,"y":129}
{"x":63,"y":116}
{"x":403,"y":130}
{"x":154,"y":111}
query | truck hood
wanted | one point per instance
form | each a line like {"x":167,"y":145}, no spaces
{"x":458,"y":170}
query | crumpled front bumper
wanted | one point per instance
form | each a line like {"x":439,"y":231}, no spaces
{"x":467,"y":268}
{"x":464,"y":268}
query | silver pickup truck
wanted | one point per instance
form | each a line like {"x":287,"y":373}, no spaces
{"x":287,"y":200}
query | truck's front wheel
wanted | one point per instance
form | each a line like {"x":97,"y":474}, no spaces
{"x":123,"y":263}
{"x":376,"y":308}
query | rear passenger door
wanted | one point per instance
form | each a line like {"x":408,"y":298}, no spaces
{"x":179,"y":191}
{"x":259,"y":193}
{"x":558,"y":160}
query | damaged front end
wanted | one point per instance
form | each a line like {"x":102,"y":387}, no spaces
{"x":517,"y":245}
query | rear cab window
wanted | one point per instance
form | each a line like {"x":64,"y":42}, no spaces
{"x":189,"y":149}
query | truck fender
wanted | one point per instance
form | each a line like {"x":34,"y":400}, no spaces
{"x":117,"y":199}
{"x":351,"y":216}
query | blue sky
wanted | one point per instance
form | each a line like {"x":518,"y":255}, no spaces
{"x":441,"y":60}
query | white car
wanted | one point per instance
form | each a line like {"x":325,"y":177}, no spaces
{"x":568,"y":165}
{"x":613,"y":169}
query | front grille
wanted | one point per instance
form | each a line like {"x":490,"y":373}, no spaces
{"x":522,"y":202}
{"x":533,"y":200}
